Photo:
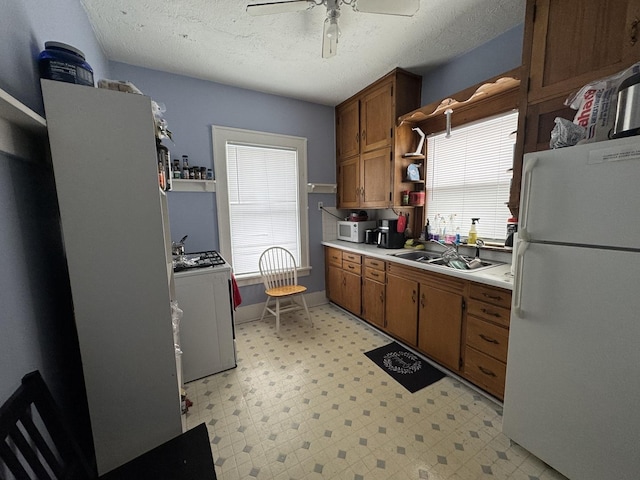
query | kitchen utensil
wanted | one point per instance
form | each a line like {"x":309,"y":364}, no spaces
{"x":177,"y":248}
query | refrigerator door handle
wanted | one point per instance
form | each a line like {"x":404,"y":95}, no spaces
{"x":519,"y":271}
{"x":526,"y":196}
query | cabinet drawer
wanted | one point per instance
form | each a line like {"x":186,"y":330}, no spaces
{"x":487,"y":338}
{"x":352,"y":267}
{"x":374,"y":263}
{"x":373,"y":274}
{"x":485,"y":371}
{"x":489,"y":312}
{"x":496,"y":296}
{"x":351,"y":257}
{"x":334,"y":257}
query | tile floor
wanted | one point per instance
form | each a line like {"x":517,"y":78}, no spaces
{"x":310,"y":405}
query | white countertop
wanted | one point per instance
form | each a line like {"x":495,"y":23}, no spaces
{"x":497,"y":276}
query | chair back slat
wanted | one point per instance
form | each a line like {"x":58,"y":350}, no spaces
{"x":278,"y":268}
{"x":34,"y":440}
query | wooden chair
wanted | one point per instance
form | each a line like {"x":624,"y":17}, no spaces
{"x":280,"y":277}
{"x":36,"y":444}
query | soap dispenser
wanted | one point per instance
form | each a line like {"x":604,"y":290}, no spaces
{"x":473,"y":233}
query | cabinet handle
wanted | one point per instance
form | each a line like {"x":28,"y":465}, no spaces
{"x":422,"y":300}
{"x":413,"y":296}
{"x":364,"y":135}
{"x":357,"y":137}
{"x":350,"y":267}
{"x":381,"y":298}
{"x":488,"y":339}
{"x":634,"y":31}
{"x":374,"y":274}
{"x":486,"y":371}
{"x":487,"y":312}
{"x":492,"y":297}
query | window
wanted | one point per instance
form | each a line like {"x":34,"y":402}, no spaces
{"x":468,"y":175}
{"x":261,"y":197}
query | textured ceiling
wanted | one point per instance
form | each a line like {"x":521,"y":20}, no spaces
{"x":281,"y":54}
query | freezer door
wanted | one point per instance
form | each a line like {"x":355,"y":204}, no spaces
{"x":573,"y":369}
{"x":585,"y":194}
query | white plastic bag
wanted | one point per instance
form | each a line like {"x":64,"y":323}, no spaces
{"x":596,"y":105}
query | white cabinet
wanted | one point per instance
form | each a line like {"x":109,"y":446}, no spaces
{"x":206,"y":328}
{"x":116,"y":243}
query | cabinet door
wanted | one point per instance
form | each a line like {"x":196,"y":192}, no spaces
{"x":376,"y":118}
{"x":440,"y":325}
{"x":348,"y":129}
{"x":351,"y":292}
{"x":401,"y":311}
{"x":373,"y":302}
{"x":349,"y":183}
{"x":376,"y":178}
{"x":334,"y":284}
{"x":575,"y":42}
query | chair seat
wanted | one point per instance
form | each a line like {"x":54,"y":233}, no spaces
{"x":285,"y":291}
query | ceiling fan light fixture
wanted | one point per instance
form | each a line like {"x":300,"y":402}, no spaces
{"x":333,"y":31}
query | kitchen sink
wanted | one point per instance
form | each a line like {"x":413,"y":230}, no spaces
{"x":418,"y":256}
{"x":434,"y":258}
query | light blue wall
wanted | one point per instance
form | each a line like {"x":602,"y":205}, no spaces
{"x":36,"y":321}
{"x":192,"y":107}
{"x":499,"y":55}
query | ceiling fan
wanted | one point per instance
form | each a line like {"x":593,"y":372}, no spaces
{"x":331,"y":32}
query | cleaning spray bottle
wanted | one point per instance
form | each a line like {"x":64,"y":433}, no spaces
{"x":473,"y":233}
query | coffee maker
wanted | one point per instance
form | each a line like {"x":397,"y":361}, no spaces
{"x":388,"y":235}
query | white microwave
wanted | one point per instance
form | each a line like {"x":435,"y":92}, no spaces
{"x":354,"y":231}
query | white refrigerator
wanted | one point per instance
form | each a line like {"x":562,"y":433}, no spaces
{"x":573,"y":371}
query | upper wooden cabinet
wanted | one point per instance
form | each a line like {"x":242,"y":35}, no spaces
{"x":574,"y":42}
{"x":366,"y":140}
{"x":567,"y":44}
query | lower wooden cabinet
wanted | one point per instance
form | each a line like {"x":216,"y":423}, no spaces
{"x":343,"y":279}
{"x":374,"y":292}
{"x":487,"y":337}
{"x":402,"y":307}
{"x":440,"y":321}
{"x":461,"y":324}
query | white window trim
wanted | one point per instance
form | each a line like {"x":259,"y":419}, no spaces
{"x":222,"y":135}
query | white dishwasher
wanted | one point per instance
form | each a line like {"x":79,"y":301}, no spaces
{"x":207,"y":334}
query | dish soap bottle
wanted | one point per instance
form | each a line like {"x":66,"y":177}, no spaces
{"x":473,"y":233}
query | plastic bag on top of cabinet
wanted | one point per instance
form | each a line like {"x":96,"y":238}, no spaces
{"x":596,"y":105}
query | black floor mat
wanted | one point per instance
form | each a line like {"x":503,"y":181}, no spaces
{"x":406,"y":368}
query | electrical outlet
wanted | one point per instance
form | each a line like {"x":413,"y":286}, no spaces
{"x":320,"y":205}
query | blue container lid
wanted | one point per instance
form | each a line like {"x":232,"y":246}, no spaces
{"x":64,"y":46}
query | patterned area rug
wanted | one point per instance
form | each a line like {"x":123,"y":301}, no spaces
{"x":406,"y":368}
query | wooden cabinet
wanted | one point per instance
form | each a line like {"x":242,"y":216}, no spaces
{"x":402,"y":303}
{"x":487,"y":337}
{"x":440,"y":319}
{"x":461,"y":324}
{"x":365,"y":139}
{"x":344,"y":279}
{"x":374,"y":291}
{"x":567,"y":44}
{"x":574,"y":42}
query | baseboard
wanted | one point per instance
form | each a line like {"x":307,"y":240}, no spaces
{"x":250,"y":313}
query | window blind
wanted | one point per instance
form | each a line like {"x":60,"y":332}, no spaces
{"x":468,"y":176}
{"x":263,"y":203}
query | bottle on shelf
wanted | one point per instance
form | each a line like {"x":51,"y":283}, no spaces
{"x":185,"y":167}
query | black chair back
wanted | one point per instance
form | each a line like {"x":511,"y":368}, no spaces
{"x":35,"y":441}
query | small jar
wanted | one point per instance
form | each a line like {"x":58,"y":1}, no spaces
{"x":209,"y":174}
{"x":405,"y":197}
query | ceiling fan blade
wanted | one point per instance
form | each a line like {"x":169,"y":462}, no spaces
{"x":329,"y":41}
{"x":406,"y":8}
{"x":280,"y":7}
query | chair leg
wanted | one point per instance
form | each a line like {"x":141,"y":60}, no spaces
{"x":304,"y":302}
{"x":264,"y":310}
{"x":277,"y":315}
